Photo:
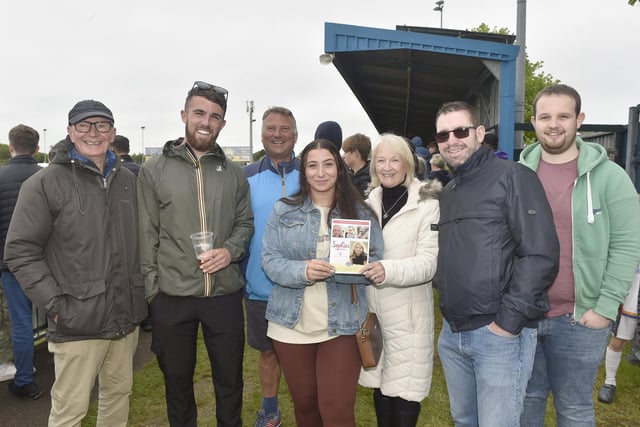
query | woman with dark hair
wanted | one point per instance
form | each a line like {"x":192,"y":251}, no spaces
{"x":312,"y":320}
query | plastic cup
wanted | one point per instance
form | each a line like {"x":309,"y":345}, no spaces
{"x":202,"y":242}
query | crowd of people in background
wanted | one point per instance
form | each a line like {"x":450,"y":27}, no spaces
{"x":535,"y":264}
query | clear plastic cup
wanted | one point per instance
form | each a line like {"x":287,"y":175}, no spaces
{"x":202,"y":242}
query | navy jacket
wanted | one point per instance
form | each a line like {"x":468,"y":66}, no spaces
{"x":17,"y":170}
{"x":498,"y":246}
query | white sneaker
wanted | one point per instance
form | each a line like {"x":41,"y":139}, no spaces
{"x":7,"y":371}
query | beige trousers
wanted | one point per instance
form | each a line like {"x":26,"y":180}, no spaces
{"x":77,"y":364}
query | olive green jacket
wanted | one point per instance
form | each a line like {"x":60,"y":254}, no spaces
{"x":178,"y":195}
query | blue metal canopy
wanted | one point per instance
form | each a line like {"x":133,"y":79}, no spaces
{"x":401,"y":77}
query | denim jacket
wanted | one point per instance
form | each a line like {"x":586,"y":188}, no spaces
{"x":290,"y":239}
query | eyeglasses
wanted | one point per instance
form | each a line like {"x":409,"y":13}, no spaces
{"x":459,"y":133}
{"x":198,"y":85}
{"x":102,"y":127}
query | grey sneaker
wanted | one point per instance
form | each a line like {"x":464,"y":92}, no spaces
{"x":606,"y":393}
{"x":273,"y":419}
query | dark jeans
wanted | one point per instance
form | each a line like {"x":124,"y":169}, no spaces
{"x":175,"y":323}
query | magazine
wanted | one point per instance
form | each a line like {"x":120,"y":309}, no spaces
{"x":349,"y":245}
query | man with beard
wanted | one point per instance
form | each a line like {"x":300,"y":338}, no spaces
{"x":597,"y":218}
{"x":192,"y":187}
{"x":498,"y":252}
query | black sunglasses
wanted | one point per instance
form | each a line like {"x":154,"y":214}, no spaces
{"x":459,"y":133}
{"x":207,"y":86}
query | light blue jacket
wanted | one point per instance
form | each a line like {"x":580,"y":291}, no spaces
{"x":290,"y":239}
{"x":268,"y":184}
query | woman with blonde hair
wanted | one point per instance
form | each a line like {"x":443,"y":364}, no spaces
{"x":402,"y":296}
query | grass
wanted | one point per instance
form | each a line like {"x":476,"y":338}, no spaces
{"x":148,"y":404}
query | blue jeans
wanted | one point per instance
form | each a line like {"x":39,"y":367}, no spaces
{"x":486,"y":374}
{"x":20,"y":311}
{"x":567,"y":359}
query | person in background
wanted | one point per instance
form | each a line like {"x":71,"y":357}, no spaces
{"x":433,"y":147}
{"x":72,"y":245}
{"x":120,"y":146}
{"x":625,"y":331}
{"x":312,"y":320}
{"x":402,"y":296}
{"x":276,"y":175}
{"x":439,"y":169}
{"x":423,"y":153}
{"x":23,"y":145}
{"x":491,"y":141}
{"x":193,"y":187}
{"x":331,"y":131}
{"x":597,"y":218}
{"x":491,"y":304}
{"x":356,"y":149}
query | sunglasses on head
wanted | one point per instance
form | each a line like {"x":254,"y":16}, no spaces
{"x":459,"y":133}
{"x":198,"y":85}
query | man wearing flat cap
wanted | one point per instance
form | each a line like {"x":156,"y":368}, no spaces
{"x":73,"y":246}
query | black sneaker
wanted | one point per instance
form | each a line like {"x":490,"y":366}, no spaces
{"x":29,"y":391}
{"x":146,"y":325}
{"x":606,"y":393}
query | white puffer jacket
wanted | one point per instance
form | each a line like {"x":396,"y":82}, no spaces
{"x":404,"y":301}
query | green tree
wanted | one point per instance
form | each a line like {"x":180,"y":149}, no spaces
{"x":4,"y":154}
{"x":632,"y":2}
{"x":534,"y":79}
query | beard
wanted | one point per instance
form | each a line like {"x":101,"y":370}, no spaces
{"x":200,"y":142}
{"x":557,"y":147}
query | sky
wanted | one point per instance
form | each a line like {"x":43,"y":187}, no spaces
{"x":140,"y":57}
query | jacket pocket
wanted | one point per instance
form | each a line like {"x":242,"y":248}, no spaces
{"x":82,"y":308}
{"x":291,"y":228}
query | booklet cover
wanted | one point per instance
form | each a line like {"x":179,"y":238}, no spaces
{"x":349,"y":245}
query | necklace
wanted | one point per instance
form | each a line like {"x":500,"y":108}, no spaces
{"x":385,"y":212}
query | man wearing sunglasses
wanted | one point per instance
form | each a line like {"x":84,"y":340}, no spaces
{"x":192,"y":187}
{"x":498,"y":252}
{"x":597,"y":217}
{"x":73,"y":246}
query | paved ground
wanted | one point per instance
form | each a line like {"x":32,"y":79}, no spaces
{"x":16,"y":412}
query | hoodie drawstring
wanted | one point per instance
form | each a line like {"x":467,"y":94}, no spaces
{"x":590,"y":216}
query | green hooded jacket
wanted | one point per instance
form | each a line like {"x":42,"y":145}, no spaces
{"x":179,"y":195}
{"x":605,"y":227}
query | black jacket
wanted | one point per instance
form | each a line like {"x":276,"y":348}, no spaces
{"x":17,"y":170}
{"x":498,"y":246}
{"x":362,"y":179}
{"x":128,"y":162}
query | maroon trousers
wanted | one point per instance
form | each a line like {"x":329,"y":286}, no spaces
{"x":322,"y":379}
